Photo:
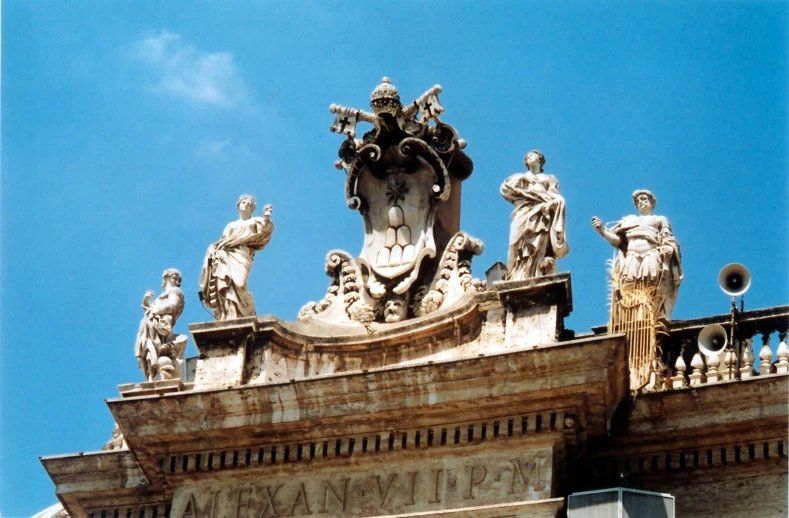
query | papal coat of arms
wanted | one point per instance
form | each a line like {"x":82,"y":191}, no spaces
{"x":404,"y":178}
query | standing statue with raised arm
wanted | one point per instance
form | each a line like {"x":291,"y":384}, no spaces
{"x":645,"y":280}
{"x":648,"y":252}
{"x":537,"y":232}
{"x":223,"y":280}
{"x":159,"y":350}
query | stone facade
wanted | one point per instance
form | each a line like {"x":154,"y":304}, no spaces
{"x":491,"y":409}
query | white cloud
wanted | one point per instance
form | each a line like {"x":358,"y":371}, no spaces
{"x":184,"y":71}
{"x":226,"y":150}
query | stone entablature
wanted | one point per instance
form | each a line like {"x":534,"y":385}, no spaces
{"x":363,"y":446}
{"x":504,"y":472}
{"x":492,"y":380}
{"x":391,"y":397}
{"x":714,"y":447}
{"x":459,"y":397}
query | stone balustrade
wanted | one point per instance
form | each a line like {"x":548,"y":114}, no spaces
{"x":755,"y":333}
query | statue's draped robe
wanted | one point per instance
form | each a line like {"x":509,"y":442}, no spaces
{"x":660,"y":266}
{"x":156,"y":328}
{"x":223,"y":280}
{"x":538,"y":223}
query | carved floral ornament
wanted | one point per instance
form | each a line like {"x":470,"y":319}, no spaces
{"x":397,"y":174}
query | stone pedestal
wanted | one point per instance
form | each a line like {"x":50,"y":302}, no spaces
{"x":148,"y":388}
{"x":512,"y":315}
{"x":534,"y":309}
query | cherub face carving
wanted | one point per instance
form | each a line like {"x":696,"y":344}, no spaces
{"x":394,"y":310}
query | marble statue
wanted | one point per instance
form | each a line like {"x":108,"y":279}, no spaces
{"x":404,"y":178}
{"x":648,"y":252}
{"x":159,"y":350}
{"x":537,"y":232}
{"x":223,"y":280}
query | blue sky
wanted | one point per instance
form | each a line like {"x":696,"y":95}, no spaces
{"x":129,"y":129}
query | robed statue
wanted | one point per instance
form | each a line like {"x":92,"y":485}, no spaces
{"x":159,"y":351}
{"x":537,"y":233}
{"x":223,"y":280}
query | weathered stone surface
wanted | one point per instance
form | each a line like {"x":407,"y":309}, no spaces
{"x":98,"y":479}
{"x":402,"y":417}
{"x":734,"y":492}
{"x":713,"y":447}
{"x":417,"y":481}
{"x":524,"y":314}
{"x":151,"y":387}
{"x":395,"y":417}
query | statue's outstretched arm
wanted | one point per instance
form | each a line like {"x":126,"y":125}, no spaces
{"x":609,"y":236}
{"x":146,"y":299}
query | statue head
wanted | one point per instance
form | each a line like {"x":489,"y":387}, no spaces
{"x":644,"y":200}
{"x":173,"y":275}
{"x":395,"y":309}
{"x":385,"y":99}
{"x":247,"y":201}
{"x":532,"y":156}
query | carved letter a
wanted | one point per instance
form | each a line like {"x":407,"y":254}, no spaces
{"x":191,"y":507}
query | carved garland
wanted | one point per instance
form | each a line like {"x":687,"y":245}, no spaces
{"x":346,"y":282}
{"x":429,"y":298}
{"x":355,"y":307}
{"x":334,"y":261}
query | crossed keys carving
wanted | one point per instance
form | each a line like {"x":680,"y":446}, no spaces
{"x":345,"y":119}
{"x":427,"y":105}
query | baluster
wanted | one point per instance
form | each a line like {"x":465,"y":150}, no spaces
{"x":713,"y":362}
{"x":679,"y":380}
{"x":697,"y":377}
{"x":746,"y":370}
{"x":782,"y":365}
{"x":766,"y":355}
{"x":729,"y":361}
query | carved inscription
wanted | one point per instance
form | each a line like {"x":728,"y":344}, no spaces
{"x":409,"y":487}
